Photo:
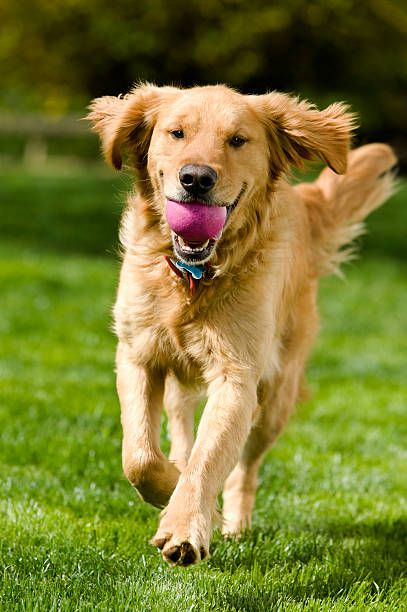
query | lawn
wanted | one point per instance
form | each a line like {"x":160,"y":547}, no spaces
{"x":330,"y":521}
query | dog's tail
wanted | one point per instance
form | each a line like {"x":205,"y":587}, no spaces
{"x":337,"y":204}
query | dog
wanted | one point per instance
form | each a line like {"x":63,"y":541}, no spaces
{"x":217,"y":293}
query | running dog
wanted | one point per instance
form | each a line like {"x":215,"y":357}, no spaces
{"x":218,"y":285}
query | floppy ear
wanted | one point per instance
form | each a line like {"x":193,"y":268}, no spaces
{"x":298,"y":132}
{"x":127,"y":123}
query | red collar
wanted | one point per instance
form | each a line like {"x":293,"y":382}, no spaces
{"x":193,"y":282}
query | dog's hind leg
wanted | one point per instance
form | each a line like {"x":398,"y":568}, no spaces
{"x":276,"y":398}
{"x":180,"y":404}
{"x":276,"y":402}
{"x":140,"y":391}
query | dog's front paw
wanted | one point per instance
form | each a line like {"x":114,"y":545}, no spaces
{"x":187,"y":543}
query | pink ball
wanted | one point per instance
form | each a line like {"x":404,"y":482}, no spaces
{"x":195,"y":222}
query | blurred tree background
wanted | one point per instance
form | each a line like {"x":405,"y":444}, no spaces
{"x":55,"y":55}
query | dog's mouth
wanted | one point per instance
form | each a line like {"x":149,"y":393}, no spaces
{"x":194,"y":252}
{"x":197,"y":227}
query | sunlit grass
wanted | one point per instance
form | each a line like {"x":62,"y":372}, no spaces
{"x":330,"y":521}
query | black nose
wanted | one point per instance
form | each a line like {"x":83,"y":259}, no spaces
{"x":197,"y":180}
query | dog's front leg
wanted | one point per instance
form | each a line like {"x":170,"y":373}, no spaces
{"x":140,"y":391}
{"x":185,"y":526}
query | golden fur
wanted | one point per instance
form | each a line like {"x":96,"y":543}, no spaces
{"x":243,"y":339}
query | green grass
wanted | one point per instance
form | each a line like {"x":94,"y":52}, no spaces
{"x":330,"y":521}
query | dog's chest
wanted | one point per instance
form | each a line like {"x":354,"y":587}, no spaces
{"x":166,"y":338}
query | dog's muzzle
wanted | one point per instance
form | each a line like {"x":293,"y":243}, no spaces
{"x":197,"y":227}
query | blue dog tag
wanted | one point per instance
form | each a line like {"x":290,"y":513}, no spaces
{"x":195,"y":271}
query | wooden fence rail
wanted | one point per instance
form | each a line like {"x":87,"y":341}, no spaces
{"x":37,"y":131}
{"x":44,"y":126}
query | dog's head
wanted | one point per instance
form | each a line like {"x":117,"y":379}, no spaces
{"x":206,"y":154}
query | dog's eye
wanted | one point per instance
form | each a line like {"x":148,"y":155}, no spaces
{"x":177,"y":133}
{"x":237,"y":141}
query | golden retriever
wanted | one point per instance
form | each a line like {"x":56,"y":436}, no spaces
{"x":241,"y":332}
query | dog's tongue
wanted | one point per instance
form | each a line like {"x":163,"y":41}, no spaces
{"x":195,"y":222}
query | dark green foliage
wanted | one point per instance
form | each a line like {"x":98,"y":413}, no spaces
{"x":56,"y":56}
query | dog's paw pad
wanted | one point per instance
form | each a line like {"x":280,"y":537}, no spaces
{"x":182,"y":554}
{"x":173,"y":554}
{"x":188,"y":555}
